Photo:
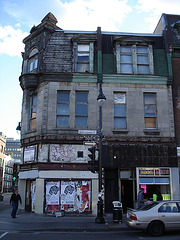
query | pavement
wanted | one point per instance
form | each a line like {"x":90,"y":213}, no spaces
{"x":42,"y":222}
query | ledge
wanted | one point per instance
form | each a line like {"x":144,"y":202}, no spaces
{"x":151,"y":132}
{"x":120,"y":131}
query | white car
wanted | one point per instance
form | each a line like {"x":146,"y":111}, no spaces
{"x":156,"y":217}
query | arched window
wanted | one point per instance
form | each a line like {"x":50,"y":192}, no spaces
{"x":33,"y":60}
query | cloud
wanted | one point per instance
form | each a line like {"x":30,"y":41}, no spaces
{"x":155,"y":8}
{"x":89,"y":14}
{"x":71,"y":15}
{"x":11,"y":41}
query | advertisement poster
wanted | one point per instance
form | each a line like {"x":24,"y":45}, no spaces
{"x":52,"y":196}
{"x":33,"y":195}
{"x":71,"y":196}
{"x":67,"y":193}
{"x":29,"y":154}
{"x":82,"y":196}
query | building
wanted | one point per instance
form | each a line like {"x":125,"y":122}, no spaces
{"x":2,"y":156}
{"x":169,"y":25}
{"x":8,"y":185}
{"x":62,"y":73}
{"x":13,"y":148}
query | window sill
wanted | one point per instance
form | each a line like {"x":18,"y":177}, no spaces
{"x":120,"y":131}
{"x":151,"y":132}
{"x":30,"y":131}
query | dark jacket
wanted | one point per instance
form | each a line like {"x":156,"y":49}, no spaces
{"x":15,"y":198}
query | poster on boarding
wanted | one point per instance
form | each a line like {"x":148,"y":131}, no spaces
{"x":67,"y":193}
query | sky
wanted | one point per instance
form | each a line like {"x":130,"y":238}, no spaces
{"x":17,"y":17}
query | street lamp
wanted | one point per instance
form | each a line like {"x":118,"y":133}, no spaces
{"x":101,"y":99}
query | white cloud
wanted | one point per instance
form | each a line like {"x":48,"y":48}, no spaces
{"x":155,"y":8}
{"x":89,"y":14}
{"x":72,"y":15}
{"x":11,"y":41}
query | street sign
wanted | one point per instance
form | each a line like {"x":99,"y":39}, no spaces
{"x":87,"y":132}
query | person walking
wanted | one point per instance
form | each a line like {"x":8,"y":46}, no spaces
{"x":15,"y":199}
{"x":140,"y":199}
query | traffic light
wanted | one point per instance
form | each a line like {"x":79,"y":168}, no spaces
{"x":94,"y":164}
{"x":14,"y":173}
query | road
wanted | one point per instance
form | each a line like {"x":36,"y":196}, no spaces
{"x":128,"y":235}
{"x":24,"y":228}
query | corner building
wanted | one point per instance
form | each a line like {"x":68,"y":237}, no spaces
{"x":60,"y":83}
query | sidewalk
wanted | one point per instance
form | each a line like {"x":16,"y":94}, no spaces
{"x":35,"y":222}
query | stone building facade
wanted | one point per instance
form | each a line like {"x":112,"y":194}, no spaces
{"x":169,"y":25}
{"x":60,"y":83}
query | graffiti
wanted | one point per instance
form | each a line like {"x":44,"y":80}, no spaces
{"x":61,"y":152}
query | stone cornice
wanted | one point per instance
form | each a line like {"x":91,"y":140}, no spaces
{"x":80,"y":139}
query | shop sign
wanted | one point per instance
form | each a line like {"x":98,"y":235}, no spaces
{"x":162,"y":171}
{"x":145,"y":171}
{"x":156,"y":171}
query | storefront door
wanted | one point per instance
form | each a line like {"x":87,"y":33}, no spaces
{"x":126,"y":194}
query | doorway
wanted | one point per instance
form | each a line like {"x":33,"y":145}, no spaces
{"x":126,"y":194}
{"x":111,"y":188}
{"x":28,"y":196}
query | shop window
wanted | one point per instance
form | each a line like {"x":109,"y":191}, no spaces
{"x":63,"y":108}
{"x":150,"y":112}
{"x":33,"y":60}
{"x":83,"y":57}
{"x":161,"y":180}
{"x":33,"y":110}
{"x":81,"y":118}
{"x":119,"y":110}
{"x":134,"y":59}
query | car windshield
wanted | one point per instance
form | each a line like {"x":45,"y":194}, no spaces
{"x":148,"y":206}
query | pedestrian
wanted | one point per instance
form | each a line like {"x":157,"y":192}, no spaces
{"x":15,"y":199}
{"x":140,"y":200}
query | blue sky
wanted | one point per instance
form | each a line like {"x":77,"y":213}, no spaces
{"x":17,"y":17}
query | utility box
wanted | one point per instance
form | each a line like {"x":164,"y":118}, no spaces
{"x":117,"y":211}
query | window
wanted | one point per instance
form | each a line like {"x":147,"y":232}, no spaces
{"x":83,"y":56}
{"x":80,"y":154}
{"x":81,"y":109}
{"x":63,"y":109}
{"x":142,"y":60}
{"x":33,"y":110}
{"x":119,"y":110}
{"x":150,"y":110}
{"x":134,"y":59}
{"x":33,"y":60}
{"x":126,"y":65}
{"x":170,"y":207}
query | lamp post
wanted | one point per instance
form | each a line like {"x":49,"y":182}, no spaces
{"x":101,"y":99}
